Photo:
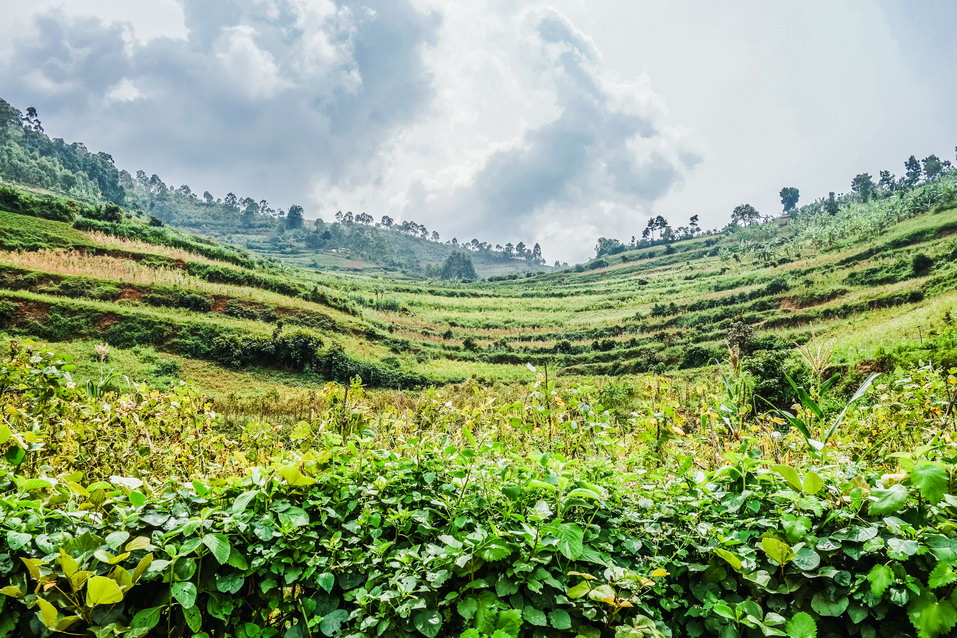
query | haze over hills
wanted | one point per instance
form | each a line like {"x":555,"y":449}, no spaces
{"x":350,"y":241}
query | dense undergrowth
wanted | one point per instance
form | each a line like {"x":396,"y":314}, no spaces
{"x":640,"y":510}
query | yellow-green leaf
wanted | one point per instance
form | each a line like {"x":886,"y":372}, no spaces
{"x":140,"y":542}
{"x":101,"y":590}
{"x":777,"y":550}
{"x":68,"y":564}
{"x":813,"y":483}
{"x":293,"y":476}
{"x":47,"y":614}
{"x":729,"y":558}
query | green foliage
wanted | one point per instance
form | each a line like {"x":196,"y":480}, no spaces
{"x":471,"y":539}
{"x":458,"y":266}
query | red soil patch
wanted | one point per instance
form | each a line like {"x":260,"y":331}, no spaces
{"x":220,"y":302}
{"x":789,"y":304}
{"x":106,"y":321}
{"x":130,"y":294}
{"x":31,"y":311}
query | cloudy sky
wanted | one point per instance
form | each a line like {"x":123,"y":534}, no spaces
{"x":556,"y":122}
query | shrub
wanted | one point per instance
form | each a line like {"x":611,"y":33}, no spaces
{"x":921,"y":264}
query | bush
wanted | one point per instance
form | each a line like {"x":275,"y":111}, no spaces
{"x":921,"y":264}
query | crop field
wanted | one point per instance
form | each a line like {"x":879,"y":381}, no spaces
{"x":648,"y":310}
{"x":752,"y":432}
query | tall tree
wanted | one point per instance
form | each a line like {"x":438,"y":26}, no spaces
{"x":830,"y":204}
{"x":933,"y":167}
{"x":789,"y":198}
{"x":294,"y":217}
{"x":887,"y":182}
{"x":458,"y":266}
{"x":745,"y":215}
{"x":863,"y":185}
{"x":912,"y":171}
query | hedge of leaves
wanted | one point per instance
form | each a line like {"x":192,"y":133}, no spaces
{"x":472,"y":541}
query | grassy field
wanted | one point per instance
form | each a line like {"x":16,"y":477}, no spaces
{"x":649,"y":310}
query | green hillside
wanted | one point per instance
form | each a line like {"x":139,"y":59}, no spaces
{"x":348,"y":243}
{"x":881,"y":291}
{"x":741,"y":432}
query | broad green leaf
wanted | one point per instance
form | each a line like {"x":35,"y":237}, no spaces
{"x":777,"y":550}
{"x":101,"y":590}
{"x":942,"y":575}
{"x":880,"y":577}
{"x":294,"y":476}
{"x":904,"y":547}
{"x":332,"y":622}
{"x":18,"y":540}
{"x":801,"y":625}
{"x":326,"y":580}
{"x":534,"y":616}
{"x":184,"y":593}
{"x":931,"y":480}
{"x":824,"y":606}
{"x":144,"y":621}
{"x":138,"y":543}
{"x":570,"y":540}
{"x":294,"y":517}
{"x":932,"y":617}
{"x":559,"y":619}
{"x":508,"y":622}
{"x":218,"y":544}
{"x":115,"y":540}
{"x":68,"y":564}
{"x":581,"y":492}
{"x":578,"y":590}
{"x":243,"y":500}
{"x":428,"y":622}
{"x":806,"y":559}
{"x":467,"y":607}
{"x":602,"y":593}
{"x":887,"y":501}
{"x":495,"y":550}
{"x":790,"y":475}
{"x":813,"y":483}
{"x":194,"y":618}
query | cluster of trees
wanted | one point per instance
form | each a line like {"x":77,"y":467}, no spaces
{"x":411,"y":228}
{"x":29,"y":156}
{"x":458,"y":267}
{"x":915,"y":172}
{"x":657,"y":231}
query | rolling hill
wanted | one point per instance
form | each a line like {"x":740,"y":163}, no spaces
{"x":876,"y":277}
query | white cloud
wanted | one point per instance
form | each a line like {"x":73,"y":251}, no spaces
{"x":124,"y":91}
{"x":250,"y":70}
{"x":529,"y":138}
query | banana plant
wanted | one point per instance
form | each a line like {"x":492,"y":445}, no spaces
{"x":817,"y":441}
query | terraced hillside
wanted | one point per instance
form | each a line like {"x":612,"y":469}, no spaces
{"x":166,"y":301}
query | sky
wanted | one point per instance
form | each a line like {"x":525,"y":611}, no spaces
{"x":557,"y":122}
